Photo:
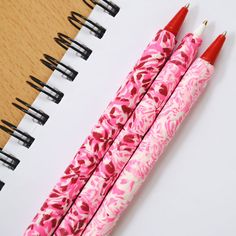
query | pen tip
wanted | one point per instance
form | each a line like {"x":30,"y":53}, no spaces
{"x":224,"y":33}
{"x":205,"y":22}
{"x":187,"y":5}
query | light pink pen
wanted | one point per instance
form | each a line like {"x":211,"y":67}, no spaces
{"x":163,"y":130}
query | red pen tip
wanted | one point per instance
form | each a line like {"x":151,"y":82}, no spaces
{"x":213,"y":50}
{"x":175,"y":24}
{"x":187,"y":5}
{"x":224,"y":33}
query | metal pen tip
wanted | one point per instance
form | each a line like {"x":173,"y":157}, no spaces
{"x":224,"y":33}
{"x":205,"y":22}
{"x":187,"y":5}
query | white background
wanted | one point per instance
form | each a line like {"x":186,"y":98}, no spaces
{"x":193,"y":189}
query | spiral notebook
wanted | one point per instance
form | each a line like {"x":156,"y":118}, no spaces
{"x":78,"y":91}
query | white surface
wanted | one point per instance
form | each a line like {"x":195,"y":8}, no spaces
{"x":193,"y":189}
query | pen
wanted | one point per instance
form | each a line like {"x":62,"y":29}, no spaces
{"x":131,"y":135}
{"x":164,"y":128}
{"x":108,"y":127}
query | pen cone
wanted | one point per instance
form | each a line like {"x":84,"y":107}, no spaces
{"x":214,"y":49}
{"x":200,"y":29}
{"x":175,"y":24}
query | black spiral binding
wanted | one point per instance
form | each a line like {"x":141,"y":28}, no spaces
{"x":37,"y":114}
{"x":8,"y":160}
{"x":78,"y":20}
{"x":24,"y":138}
{"x":54,"y":64}
{"x":110,"y":7}
{"x":1,"y":185}
{"x":67,"y":42}
{"x":54,"y":94}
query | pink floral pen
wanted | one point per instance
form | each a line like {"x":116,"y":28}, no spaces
{"x":164,"y":128}
{"x":108,"y":127}
{"x":132,"y":134}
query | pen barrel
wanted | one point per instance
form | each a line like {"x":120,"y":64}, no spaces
{"x":129,"y":138}
{"x":103,"y":134}
{"x":150,"y":149}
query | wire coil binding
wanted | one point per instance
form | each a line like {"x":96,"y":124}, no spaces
{"x":24,"y":138}
{"x":8,"y":160}
{"x":78,"y":20}
{"x":108,"y":6}
{"x":67,"y":42}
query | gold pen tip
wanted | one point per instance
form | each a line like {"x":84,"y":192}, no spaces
{"x":224,"y":33}
{"x":205,"y":22}
{"x":187,"y":5}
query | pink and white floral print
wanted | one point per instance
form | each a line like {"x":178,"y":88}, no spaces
{"x":150,"y":149}
{"x":102,"y":135}
{"x":129,"y":138}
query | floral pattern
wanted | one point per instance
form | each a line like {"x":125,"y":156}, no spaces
{"x":129,"y":138}
{"x":102,"y":136}
{"x":150,"y":149}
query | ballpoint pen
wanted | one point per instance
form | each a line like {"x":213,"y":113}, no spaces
{"x":131,"y":135}
{"x":154,"y":143}
{"x":108,"y":127}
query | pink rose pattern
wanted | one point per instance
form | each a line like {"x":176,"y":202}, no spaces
{"x":129,"y":138}
{"x":150,"y":149}
{"x":102,"y":135}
